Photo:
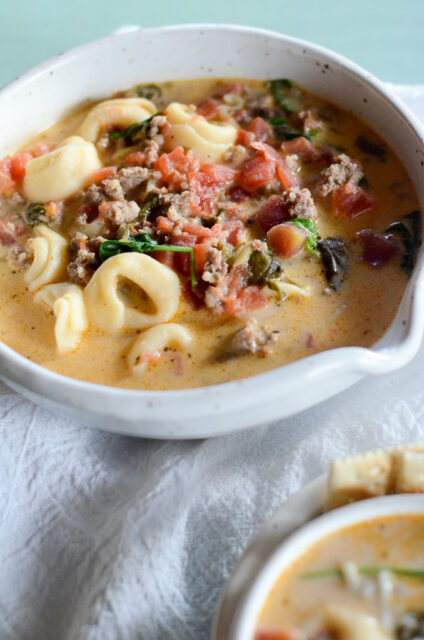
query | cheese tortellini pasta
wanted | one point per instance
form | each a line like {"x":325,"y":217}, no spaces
{"x":209,"y":141}
{"x":61,"y":172}
{"x":49,"y":257}
{"x":67,"y":303}
{"x":120,"y":112}
{"x":153,"y":341}
{"x":351,"y":624}
{"x":109,"y":311}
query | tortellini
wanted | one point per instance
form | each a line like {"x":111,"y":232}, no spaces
{"x":209,"y":141}
{"x":152,"y":341}
{"x":120,"y":112}
{"x":50,"y":255}
{"x":352,"y":624}
{"x":108,"y":310}
{"x":61,"y":172}
{"x":67,"y":303}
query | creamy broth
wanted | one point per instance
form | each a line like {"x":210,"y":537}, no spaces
{"x":298,"y":602}
{"x":357,"y":314}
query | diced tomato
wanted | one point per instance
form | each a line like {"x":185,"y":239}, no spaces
{"x":198,"y":230}
{"x":260,"y":129}
{"x":377,"y":249}
{"x":8,"y":232}
{"x":237,"y":193}
{"x":245,"y":138}
{"x":256,"y":172}
{"x":7,"y":184}
{"x":219,"y":172}
{"x":208,"y":109}
{"x":286,"y":240}
{"x":135,"y":159}
{"x":175,"y":166}
{"x":200,"y":251}
{"x":350,"y":201}
{"x":235,"y":231}
{"x":274,"y":211}
{"x":41,"y":148}
{"x":301,"y":147}
{"x":203,"y":193}
{"x":249,"y":299}
{"x":284,"y":174}
{"x":102,"y":174}
{"x":18,"y":164}
{"x":164,"y":257}
{"x":164,"y":225}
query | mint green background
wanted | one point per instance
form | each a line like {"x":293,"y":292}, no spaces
{"x":385,"y":36}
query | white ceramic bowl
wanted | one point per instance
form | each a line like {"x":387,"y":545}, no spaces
{"x":41,"y":96}
{"x":293,"y":547}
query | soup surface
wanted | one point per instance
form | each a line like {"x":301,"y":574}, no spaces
{"x":289,"y":228}
{"x":364,"y":582}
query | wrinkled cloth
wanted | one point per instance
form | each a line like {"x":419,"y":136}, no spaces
{"x":105,"y":537}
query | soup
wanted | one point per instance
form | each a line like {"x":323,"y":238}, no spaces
{"x":364,"y":582}
{"x":192,"y":233}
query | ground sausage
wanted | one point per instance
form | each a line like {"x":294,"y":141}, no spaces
{"x":252,"y":338}
{"x":342,"y":171}
{"x":215,"y":266}
{"x":301,"y":203}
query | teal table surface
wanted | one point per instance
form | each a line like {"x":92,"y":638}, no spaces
{"x":385,"y":36}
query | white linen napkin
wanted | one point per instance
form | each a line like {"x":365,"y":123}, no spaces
{"x":105,"y":537}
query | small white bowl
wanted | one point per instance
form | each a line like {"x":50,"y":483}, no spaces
{"x":297,"y":544}
{"x":41,"y":96}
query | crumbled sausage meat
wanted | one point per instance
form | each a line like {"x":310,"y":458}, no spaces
{"x":84,"y":257}
{"x":113,"y":189}
{"x":342,"y":171}
{"x":151,"y":153}
{"x":215,"y":266}
{"x":252,"y":338}
{"x":301,"y":203}
{"x":132,"y":177}
{"x":20,"y":258}
{"x":118,"y":213}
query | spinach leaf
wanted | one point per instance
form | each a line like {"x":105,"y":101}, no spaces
{"x":135,"y":132}
{"x":148,"y":91}
{"x":409,"y":231}
{"x":371,"y":148}
{"x":148,"y":207}
{"x":285,"y":95}
{"x":144,"y":243}
{"x":33,"y":214}
{"x":309,"y":226}
{"x":335,"y":258}
{"x":284,"y":131}
{"x":262,"y":267}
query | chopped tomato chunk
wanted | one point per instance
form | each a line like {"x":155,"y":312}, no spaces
{"x":135,"y":159}
{"x":260,"y":129}
{"x":245,"y":138}
{"x":286,"y":240}
{"x":284,"y":174}
{"x":203,"y":193}
{"x":219,"y":172}
{"x":301,"y":147}
{"x":102,"y":174}
{"x":377,"y":249}
{"x":175,"y":166}
{"x":350,"y":201}
{"x":18,"y":164}
{"x":208,"y":109}
{"x":237,"y":194}
{"x":274,"y":211}
{"x":7,"y":184}
{"x":256,"y":172}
